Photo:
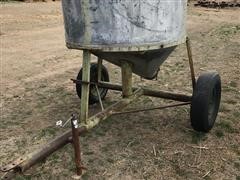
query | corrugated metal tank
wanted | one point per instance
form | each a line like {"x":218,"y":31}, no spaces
{"x":143,"y":32}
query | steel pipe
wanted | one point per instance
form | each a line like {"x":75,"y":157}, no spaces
{"x":146,"y":91}
{"x":149,"y":92}
{"x":76,"y":145}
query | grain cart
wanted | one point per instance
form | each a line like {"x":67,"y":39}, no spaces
{"x":137,"y":36}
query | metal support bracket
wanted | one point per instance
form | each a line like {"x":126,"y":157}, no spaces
{"x":151,"y":109}
{"x":189,"y":51}
{"x":99,"y":97}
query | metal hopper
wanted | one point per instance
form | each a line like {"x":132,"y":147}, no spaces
{"x":143,"y":33}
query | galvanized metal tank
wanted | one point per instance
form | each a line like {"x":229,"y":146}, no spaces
{"x":143,"y":32}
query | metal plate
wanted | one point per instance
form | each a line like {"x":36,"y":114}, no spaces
{"x":13,"y":164}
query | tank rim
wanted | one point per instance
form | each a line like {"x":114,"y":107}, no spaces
{"x":125,"y":47}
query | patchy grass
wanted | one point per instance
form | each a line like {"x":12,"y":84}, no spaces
{"x":233,"y":84}
{"x":237,"y":165}
{"x":236,"y":149}
{"x":224,"y":108}
{"x":236,"y":114}
{"x":197,"y":137}
{"x":227,"y":30}
{"x":231,"y":101}
{"x":227,"y":126}
{"x":219,"y":133}
{"x":47,"y":132}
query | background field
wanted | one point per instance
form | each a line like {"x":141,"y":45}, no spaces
{"x":36,"y":92}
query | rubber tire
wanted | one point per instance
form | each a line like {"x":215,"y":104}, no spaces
{"x":205,"y":101}
{"x":93,"y":78}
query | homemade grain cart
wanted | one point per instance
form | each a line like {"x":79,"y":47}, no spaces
{"x":138,"y":36}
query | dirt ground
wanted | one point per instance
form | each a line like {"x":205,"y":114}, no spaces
{"x":36,"y":91}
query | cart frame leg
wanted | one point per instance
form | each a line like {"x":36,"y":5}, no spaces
{"x":76,"y":145}
{"x":126,"y":79}
{"x":86,"y":86}
{"x":100,"y":61}
{"x":190,"y":59}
